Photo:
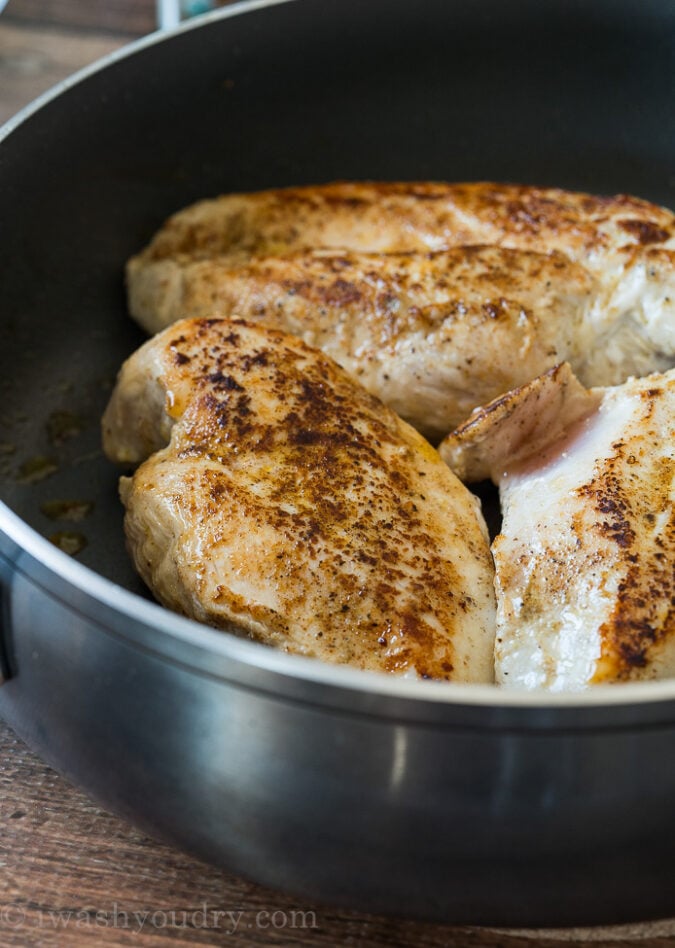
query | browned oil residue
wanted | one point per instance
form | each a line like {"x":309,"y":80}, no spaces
{"x":63,"y":425}
{"x":74,"y":510}
{"x":69,"y":541}
{"x":37,"y":469}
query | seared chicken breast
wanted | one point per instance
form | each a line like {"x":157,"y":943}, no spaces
{"x":432,"y":335}
{"x":420,"y":216}
{"x":438,"y":327}
{"x":278,"y":498}
{"x":585,"y":562}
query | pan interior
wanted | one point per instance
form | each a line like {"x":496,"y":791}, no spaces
{"x":574,"y":94}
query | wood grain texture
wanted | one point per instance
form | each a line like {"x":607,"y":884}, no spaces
{"x":73,"y":874}
{"x":32,"y":60}
{"x":131,"y":17}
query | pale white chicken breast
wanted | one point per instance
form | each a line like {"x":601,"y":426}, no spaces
{"x":420,"y":333}
{"x":630,"y":326}
{"x":585,"y":561}
{"x":278,"y":498}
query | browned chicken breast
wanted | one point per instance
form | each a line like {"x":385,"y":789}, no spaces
{"x":278,"y":498}
{"x":585,"y":562}
{"x":420,"y":216}
{"x":432,"y":334}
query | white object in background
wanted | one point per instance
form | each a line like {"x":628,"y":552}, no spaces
{"x":171,"y":12}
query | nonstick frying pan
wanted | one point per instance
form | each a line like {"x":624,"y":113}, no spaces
{"x":460,"y":803}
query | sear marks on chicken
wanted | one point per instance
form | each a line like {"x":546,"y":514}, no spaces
{"x":584,"y":563}
{"x":605,"y":300}
{"x":430,"y":334}
{"x":277,"y":498}
{"x":386,"y":217}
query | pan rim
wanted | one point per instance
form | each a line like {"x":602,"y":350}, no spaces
{"x":294,"y":667}
{"x":237,"y":8}
{"x":169,"y":625}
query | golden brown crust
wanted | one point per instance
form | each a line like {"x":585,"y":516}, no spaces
{"x":381,"y":216}
{"x":631,"y":504}
{"x":437,"y":297}
{"x":433,"y":334}
{"x":294,"y":505}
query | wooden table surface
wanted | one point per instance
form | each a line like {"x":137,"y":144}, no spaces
{"x":72,"y":874}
